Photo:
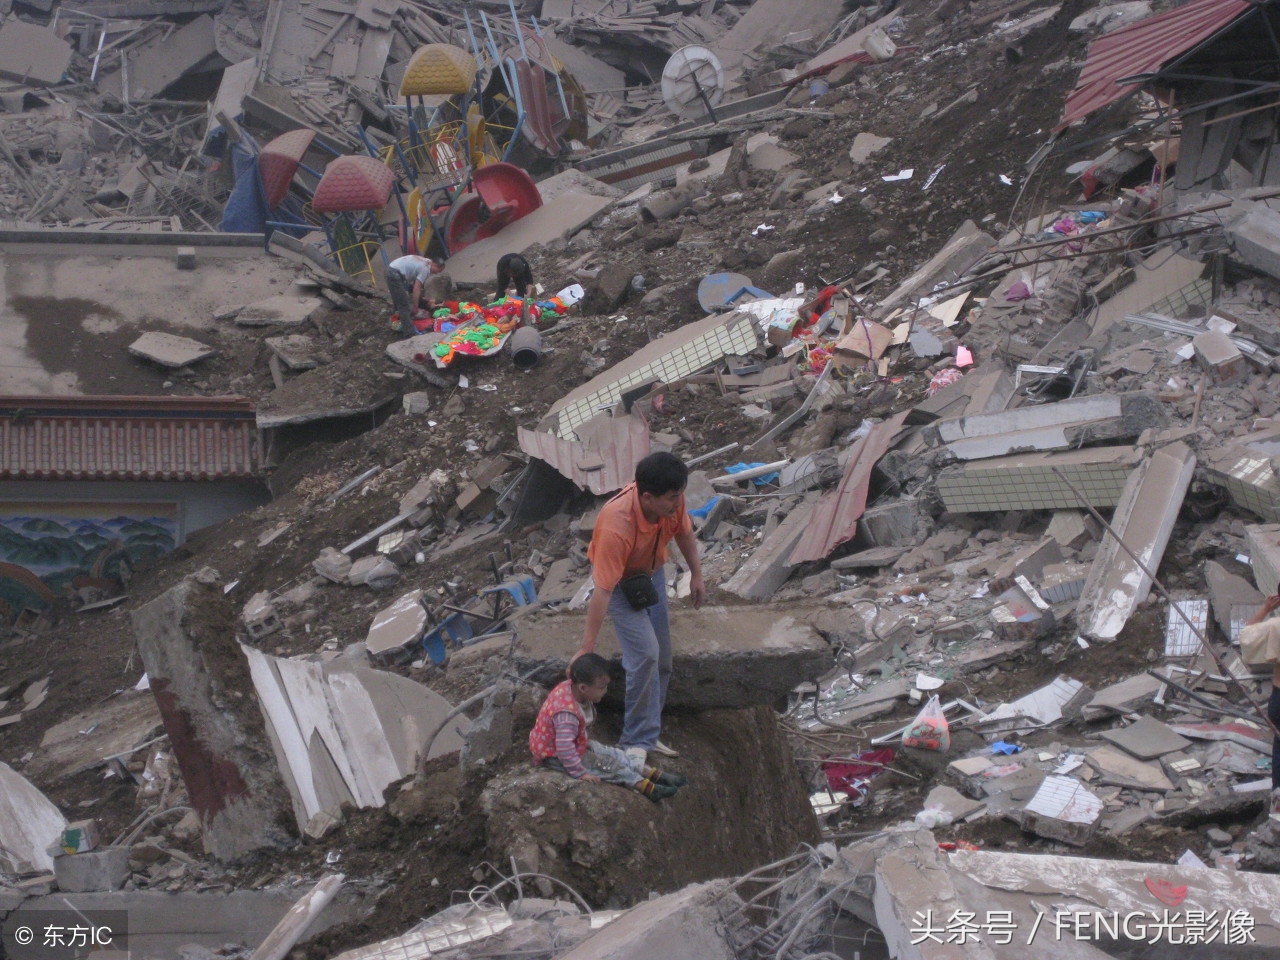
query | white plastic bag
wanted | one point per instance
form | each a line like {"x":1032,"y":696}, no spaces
{"x":929,"y":730}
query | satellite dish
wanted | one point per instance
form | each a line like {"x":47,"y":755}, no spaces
{"x":693,"y":83}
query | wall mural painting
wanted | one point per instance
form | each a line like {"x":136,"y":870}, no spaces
{"x":82,"y":552}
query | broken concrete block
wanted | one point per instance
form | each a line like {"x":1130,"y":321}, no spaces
{"x":1028,"y":562}
{"x":1068,"y":424}
{"x":952,"y":802}
{"x":260,"y":617}
{"x":1063,"y":809}
{"x":97,"y":871}
{"x":1119,"y":769}
{"x":769,"y":566}
{"x":1020,"y":613}
{"x":169,"y":350}
{"x":1255,"y":237}
{"x":195,"y":671}
{"x":417,"y":403}
{"x":1143,"y":520}
{"x":332,"y":564}
{"x":398,"y":625}
{"x":297,"y":351}
{"x":1233,"y":598}
{"x":186,"y":258}
{"x":865,"y":144}
{"x":874,"y":558}
{"x":1219,"y":357}
{"x":965,"y":248}
{"x":284,"y":309}
{"x":1031,"y":482}
{"x":374,"y":572}
{"x":899,"y":523}
{"x":1249,"y":478}
{"x":1263,"y":543}
{"x":32,"y":53}
{"x":1146,"y":739}
{"x":1062,"y":582}
{"x":682,"y":924}
{"x":1073,"y":528}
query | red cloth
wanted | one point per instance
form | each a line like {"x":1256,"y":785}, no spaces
{"x":841,"y":776}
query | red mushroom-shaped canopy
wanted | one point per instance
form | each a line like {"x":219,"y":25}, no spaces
{"x":279,"y":161}
{"x":353,"y":183}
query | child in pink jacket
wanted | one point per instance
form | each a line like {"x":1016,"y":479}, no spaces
{"x":559,"y":736}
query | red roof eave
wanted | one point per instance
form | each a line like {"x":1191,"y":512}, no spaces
{"x":1142,"y":48}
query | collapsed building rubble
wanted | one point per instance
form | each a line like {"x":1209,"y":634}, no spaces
{"x":959,"y":476}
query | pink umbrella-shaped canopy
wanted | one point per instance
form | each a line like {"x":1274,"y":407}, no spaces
{"x":279,"y":161}
{"x":353,"y":183}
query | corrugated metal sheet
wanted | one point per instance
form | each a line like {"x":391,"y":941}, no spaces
{"x":127,"y":438}
{"x":619,"y":442}
{"x":835,"y":517}
{"x":1143,"y":48}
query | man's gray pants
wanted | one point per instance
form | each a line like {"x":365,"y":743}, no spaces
{"x":645,"y":638}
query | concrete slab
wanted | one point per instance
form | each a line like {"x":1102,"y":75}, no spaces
{"x":154,"y":66}
{"x":169,"y":350}
{"x":1218,"y":355}
{"x":1160,"y":276}
{"x":298,"y":351}
{"x":686,"y":923}
{"x":1031,"y":481}
{"x":1263,"y":543}
{"x":30,"y":53}
{"x":1255,"y":238}
{"x":983,"y":390}
{"x":724,"y":656}
{"x":1063,"y":582}
{"x":693,"y":347}
{"x":1146,"y":739}
{"x":39,"y":317}
{"x":965,"y":248}
{"x":767,"y":22}
{"x":29,"y":822}
{"x":953,"y":802}
{"x":770,"y":156}
{"x":1143,"y":519}
{"x":876,"y":557}
{"x":1119,"y":769}
{"x":1068,"y":424}
{"x":115,"y":727}
{"x":341,"y":732}
{"x":398,"y":625}
{"x":284,"y":309}
{"x":1249,"y":478}
{"x":592,"y":73}
{"x":1122,"y":696}
{"x":1234,"y":599}
{"x":477,"y":265}
{"x":1072,"y":528}
{"x":761,"y":574}
{"x":865,"y":144}
{"x":562,"y":581}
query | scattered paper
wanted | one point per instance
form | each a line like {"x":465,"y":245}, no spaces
{"x":463,"y":382}
{"x":964,"y":358}
{"x":904,"y":174}
{"x":835,"y":198}
{"x":932,"y":177}
{"x":1064,"y":798}
{"x":1005,"y":180}
{"x":762,"y":228}
{"x":1189,"y":859}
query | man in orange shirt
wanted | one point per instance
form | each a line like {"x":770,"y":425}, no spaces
{"x":628,"y":550}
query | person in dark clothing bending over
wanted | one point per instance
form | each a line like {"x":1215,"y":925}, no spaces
{"x":514,"y":273}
